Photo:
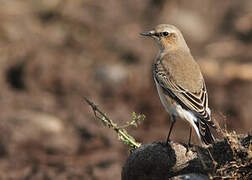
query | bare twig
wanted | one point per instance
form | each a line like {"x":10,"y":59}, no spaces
{"x":121,"y":132}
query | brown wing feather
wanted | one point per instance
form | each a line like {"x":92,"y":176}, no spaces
{"x":195,"y":102}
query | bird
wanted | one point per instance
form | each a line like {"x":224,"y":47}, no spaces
{"x":180,"y":83}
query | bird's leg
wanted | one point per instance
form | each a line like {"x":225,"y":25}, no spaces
{"x":189,"y":140}
{"x":173,"y":120}
{"x":190,"y":136}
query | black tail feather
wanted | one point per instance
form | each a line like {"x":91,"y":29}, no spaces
{"x":205,"y":133}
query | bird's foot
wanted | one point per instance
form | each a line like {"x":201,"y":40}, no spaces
{"x":167,"y":142}
{"x":189,"y":147}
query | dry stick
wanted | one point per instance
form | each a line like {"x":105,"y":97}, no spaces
{"x":121,"y":132}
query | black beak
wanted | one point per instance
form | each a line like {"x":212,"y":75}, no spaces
{"x":146,"y":34}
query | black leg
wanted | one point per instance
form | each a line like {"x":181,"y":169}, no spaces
{"x":190,"y":135}
{"x":173,"y":120}
{"x":189,"y":141}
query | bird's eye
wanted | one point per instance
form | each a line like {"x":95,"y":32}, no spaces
{"x":165,"y":33}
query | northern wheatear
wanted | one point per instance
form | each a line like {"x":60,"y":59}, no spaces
{"x":179,"y":82}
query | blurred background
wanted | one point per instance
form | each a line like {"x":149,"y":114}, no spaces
{"x":52,"y":53}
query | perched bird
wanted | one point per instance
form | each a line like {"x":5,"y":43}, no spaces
{"x":179,"y":82}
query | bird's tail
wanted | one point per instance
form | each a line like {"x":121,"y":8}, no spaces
{"x":201,"y":127}
{"x":205,"y":133}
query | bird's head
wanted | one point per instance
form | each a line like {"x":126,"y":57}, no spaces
{"x":167,"y":37}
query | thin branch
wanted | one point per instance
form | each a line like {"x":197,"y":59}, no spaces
{"x":121,"y":132}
